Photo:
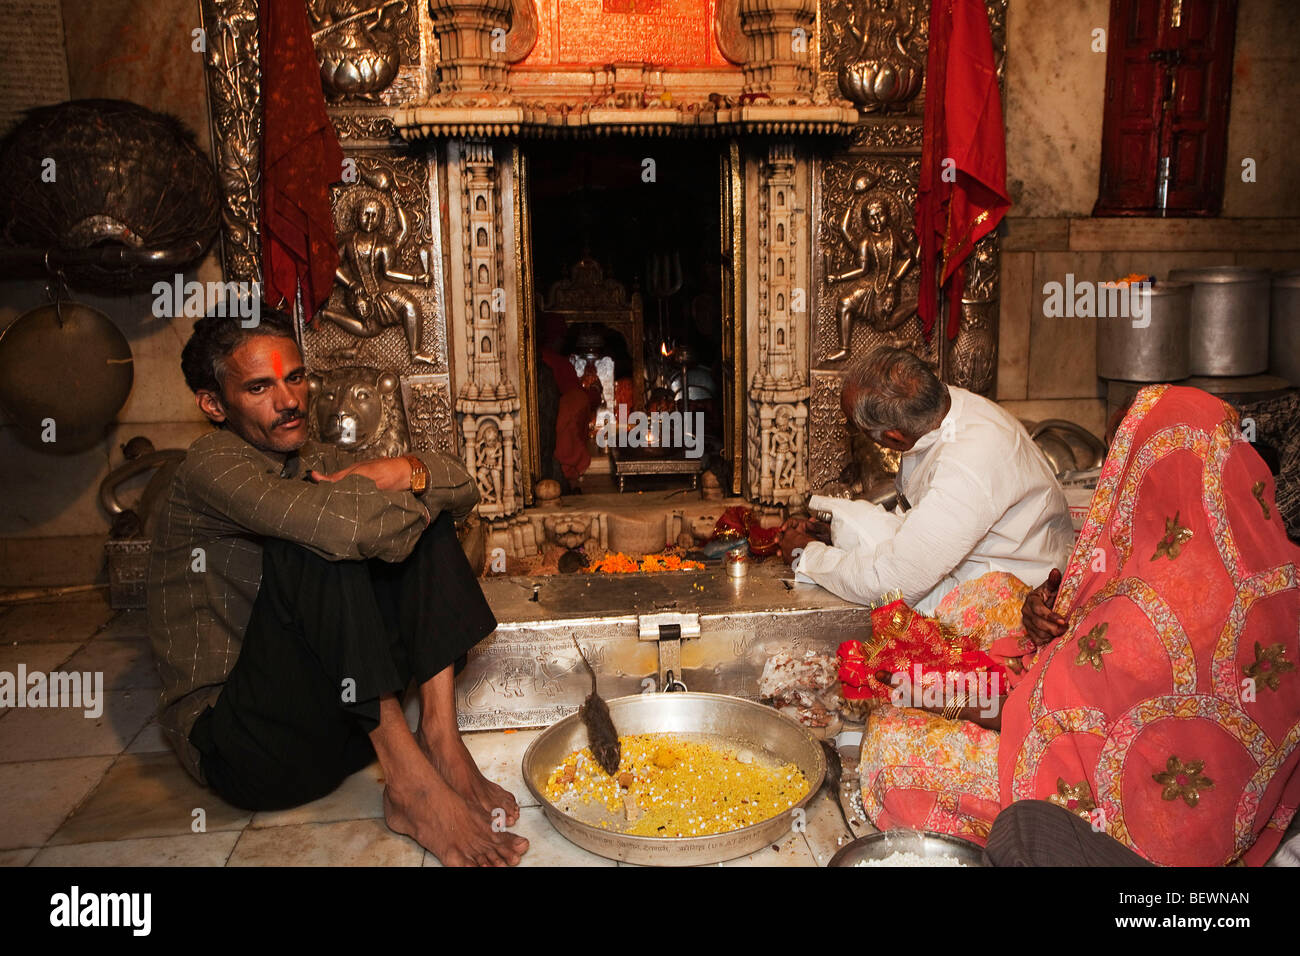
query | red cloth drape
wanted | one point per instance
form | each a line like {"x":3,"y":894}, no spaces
{"x":963,"y":122}
{"x":301,"y":157}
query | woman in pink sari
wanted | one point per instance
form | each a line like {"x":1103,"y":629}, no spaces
{"x":1168,"y":711}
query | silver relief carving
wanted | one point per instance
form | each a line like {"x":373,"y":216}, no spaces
{"x":880,"y":70}
{"x":380,"y":254}
{"x":831,"y":451}
{"x":234,"y":86}
{"x":973,"y":354}
{"x":356,"y":46}
{"x":430,"y":415}
{"x":364,"y":126}
{"x":358,"y":409}
{"x":385,"y":310}
{"x":869,"y":250}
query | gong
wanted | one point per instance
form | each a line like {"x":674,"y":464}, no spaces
{"x":65,"y":373}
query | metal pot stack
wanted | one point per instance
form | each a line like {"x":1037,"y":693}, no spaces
{"x":1229,"y":319}
{"x":1284,"y":341}
{"x":1153,"y":349}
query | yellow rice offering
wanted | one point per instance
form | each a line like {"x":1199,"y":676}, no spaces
{"x":671,"y":786}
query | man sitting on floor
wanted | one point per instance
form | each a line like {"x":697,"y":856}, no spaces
{"x":980,"y":495}
{"x":294,"y":592}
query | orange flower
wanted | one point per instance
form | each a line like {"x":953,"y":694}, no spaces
{"x":620,"y":563}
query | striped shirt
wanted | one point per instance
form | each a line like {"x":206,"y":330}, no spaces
{"x":205,"y":566}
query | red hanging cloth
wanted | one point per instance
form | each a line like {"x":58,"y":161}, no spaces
{"x":301,"y":157}
{"x":963,"y":123}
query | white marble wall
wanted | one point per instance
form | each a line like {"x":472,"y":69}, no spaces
{"x":1055,"y":87}
{"x":1055,"y":91}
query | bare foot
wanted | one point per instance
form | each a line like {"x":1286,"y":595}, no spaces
{"x":451,"y":758}
{"x":441,"y":821}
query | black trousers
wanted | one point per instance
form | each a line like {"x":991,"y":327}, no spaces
{"x":325,"y":640}
{"x":1039,"y":833}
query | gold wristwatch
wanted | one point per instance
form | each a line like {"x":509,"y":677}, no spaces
{"x":419,"y":475}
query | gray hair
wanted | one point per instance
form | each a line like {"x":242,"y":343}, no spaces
{"x":893,"y":388}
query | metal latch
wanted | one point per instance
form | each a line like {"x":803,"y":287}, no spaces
{"x":668,"y":629}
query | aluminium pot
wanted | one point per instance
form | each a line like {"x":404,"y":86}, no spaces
{"x":1138,"y":350}
{"x":1284,"y":342}
{"x":1229,"y":328}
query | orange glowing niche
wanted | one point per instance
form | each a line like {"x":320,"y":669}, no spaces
{"x":660,"y":32}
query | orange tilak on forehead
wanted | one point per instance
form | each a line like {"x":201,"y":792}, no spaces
{"x":277,"y":364}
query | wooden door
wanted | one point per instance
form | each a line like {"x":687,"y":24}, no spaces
{"x":1168,"y":80}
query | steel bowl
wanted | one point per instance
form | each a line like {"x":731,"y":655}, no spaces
{"x":924,"y":843}
{"x":740,"y":722}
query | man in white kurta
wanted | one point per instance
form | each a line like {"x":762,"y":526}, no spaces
{"x":982,"y":497}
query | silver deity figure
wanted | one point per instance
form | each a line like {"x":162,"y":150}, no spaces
{"x":367,"y":261}
{"x":884,"y":257}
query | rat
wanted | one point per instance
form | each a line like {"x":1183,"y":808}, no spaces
{"x":602,"y":738}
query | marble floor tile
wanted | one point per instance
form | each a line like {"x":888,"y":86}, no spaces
{"x":38,"y":796}
{"x":35,"y":657}
{"x":546,"y":847}
{"x":71,"y":619}
{"x":17,"y":857}
{"x":126,"y":664}
{"x":47,"y":733}
{"x":147,"y":795}
{"x":124,"y":625}
{"x":500,"y":755}
{"x":346,"y":843}
{"x":150,"y":740}
{"x":359,"y":797}
{"x":193,"y":849}
{"x":825,"y":831}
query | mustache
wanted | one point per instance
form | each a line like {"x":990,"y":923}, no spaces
{"x":287,"y":417}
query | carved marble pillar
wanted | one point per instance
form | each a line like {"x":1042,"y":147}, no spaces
{"x":487,"y":404}
{"x":778,"y":393}
{"x":779,"y":49}
{"x":472,"y":43}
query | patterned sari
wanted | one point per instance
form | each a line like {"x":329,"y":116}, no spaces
{"x":1169,"y":712}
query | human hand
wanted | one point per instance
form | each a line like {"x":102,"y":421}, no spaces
{"x":388,"y":474}
{"x":793,"y":542}
{"x":818,"y":530}
{"x":1042,"y":624}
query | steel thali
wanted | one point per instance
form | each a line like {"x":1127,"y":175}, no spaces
{"x":740,"y":722}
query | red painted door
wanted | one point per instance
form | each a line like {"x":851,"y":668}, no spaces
{"x":1164,"y":136}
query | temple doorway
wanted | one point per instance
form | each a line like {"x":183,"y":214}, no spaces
{"x":631,"y":363}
